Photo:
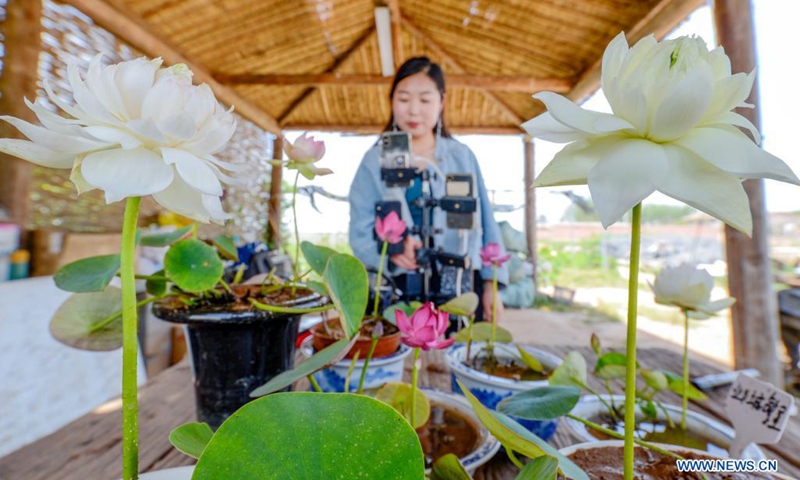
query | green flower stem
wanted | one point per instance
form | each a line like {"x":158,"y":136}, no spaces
{"x":226,"y":286}
{"x":148,"y":277}
{"x":494,"y":311}
{"x":469,"y":336}
{"x":350,"y":372}
{"x":378,"y":280}
{"x":611,"y":410}
{"x":630,"y":352}
{"x":314,"y":384}
{"x":366,"y":363}
{"x":296,"y":231}
{"x":275,"y":308}
{"x":685,"y":399}
{"x":414,"y":372}
{"x":130,"y":349}
{"x":106,"y":321}
{"x":513,"y":457}
{"x":613,"y":434}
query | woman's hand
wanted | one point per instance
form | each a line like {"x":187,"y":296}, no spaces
{"x":487,"y":303}
{"x":408,"y":259}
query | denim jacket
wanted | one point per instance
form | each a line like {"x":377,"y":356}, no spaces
{"x":451,"y":156}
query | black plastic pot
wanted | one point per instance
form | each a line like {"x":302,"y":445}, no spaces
{"x":233,"y":353}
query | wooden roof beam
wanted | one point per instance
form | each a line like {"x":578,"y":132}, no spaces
{"x":375,"y":129}
{"x":397,"y":44}
{"x":126,"y":25}
{"x":660,"y":20}
{"x":330,"y":70}
{"x":499,"y":83}
{"x":456,"y":66}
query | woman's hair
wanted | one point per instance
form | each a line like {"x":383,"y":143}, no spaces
{"x":413,"y":66}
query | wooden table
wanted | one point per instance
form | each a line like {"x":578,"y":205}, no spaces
{"x":90,"y":448}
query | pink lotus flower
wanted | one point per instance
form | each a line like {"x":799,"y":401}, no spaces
{"x":303,"y":154}
{"x":492,"y":254}
{"x":424,"y":328}
{"x":391,"y":228}
{"x":305,"y":149}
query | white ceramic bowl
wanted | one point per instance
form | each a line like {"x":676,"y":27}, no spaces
{"x":487,"y":444}
{"x":490,"y":389}
{"x":590,"y":407}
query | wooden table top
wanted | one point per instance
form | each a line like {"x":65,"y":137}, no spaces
{"x":90,"y":447}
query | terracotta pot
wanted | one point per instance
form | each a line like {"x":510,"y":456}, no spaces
{"x":708,"y":428}
{"x":380,"y":370}
{"x":614,"y":468}
{"x":235,"y":350}
{"x":387,"y":345}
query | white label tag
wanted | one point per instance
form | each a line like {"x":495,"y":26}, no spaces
{"x":758,"y":411}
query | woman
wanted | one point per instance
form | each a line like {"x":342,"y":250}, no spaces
{"x":418,"y":96}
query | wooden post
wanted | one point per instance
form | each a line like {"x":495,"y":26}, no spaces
{"x":21,"y":29}
{"x":755,"y":316}
{"x":530,"y":203}
{"x":274,"y":216}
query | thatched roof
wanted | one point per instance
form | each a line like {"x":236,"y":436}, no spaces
{"x":315,"y":64}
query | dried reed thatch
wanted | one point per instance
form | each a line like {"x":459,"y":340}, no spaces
{"x":315,"y":64}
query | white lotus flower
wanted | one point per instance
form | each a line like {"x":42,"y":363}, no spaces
{"x":135,"y":129}
{"x":672,"y":130}
{"x":688,"y":288}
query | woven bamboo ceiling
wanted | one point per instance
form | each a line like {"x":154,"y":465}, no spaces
{"x":315,"y":64}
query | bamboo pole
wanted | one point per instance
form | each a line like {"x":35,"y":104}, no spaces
{"x":276,"y":181}
{"x":754,"y":315}
{"x":22,"y":43}
{"x":530,"y":203}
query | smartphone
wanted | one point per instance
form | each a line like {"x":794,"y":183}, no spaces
{"x":395,"y":150}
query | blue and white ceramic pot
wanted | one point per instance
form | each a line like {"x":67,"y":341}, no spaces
{"x":490,"y":389}
{"x":717,"y":433}
{"x":487,"y":445}
{"x":379,"y":371}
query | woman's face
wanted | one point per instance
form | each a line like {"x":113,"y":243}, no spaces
{"x":416,"y":105}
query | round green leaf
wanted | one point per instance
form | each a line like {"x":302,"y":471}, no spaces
{"x":156,"y":286}
{"x":542,"y":468}
{"x":571,"y":372}
{"x":529,"y":360}
{"x":610,"y":366}
{"x":544,"y":403}
{"x":482,"y":332}
{"x":316,"y":256}
{"x":449,"y":468}
{"x":649,"y":409}
{"x":75,"y":323}
{"x":88,"y":274}
{"x":191,"y":438}
{"x":676,"y":385}
{"x":655,"y":379}
{"x":398,"y":396}
{"x":465,"y":304}
{"x":517,"y":438}
{"x":348,"y":285}
{"x":164,"y":239}
{"x":226,"y":247}
{"x":302,"y":435}
{"x":193,"y":266}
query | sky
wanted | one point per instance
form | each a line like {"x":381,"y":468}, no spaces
{"x":775,"y":27}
